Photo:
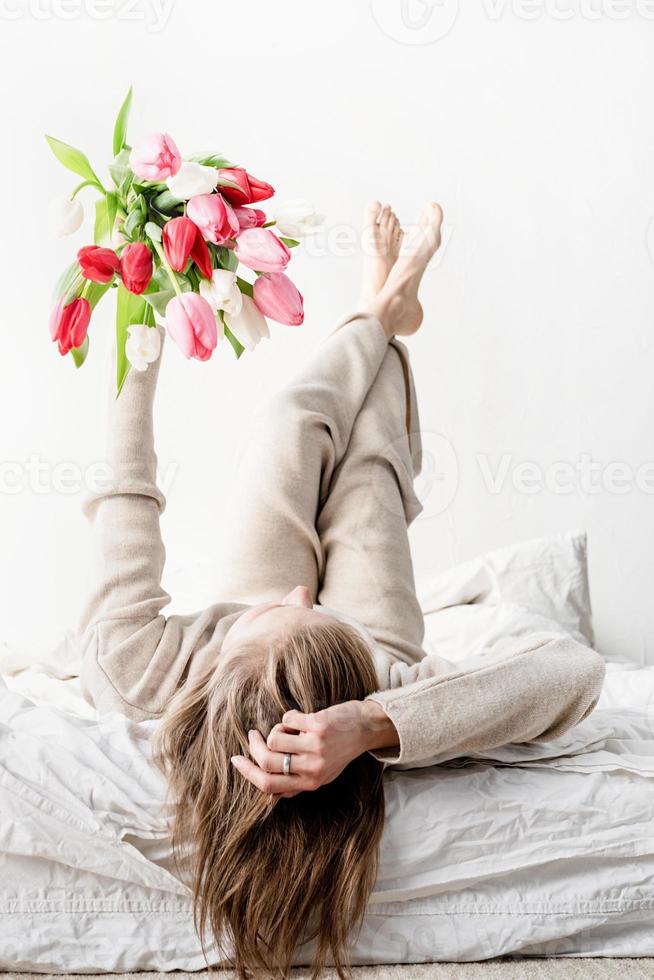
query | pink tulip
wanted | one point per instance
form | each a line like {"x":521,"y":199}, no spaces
{"x":155,"y":158}
{"x":249,"y":217}
{"x":277,"y":298}
{"x":259,"y":249}
{"x":249,"y":189}
{"x":213,"y":216}
{"x":69,"y":324}
{"x":191,"y":323}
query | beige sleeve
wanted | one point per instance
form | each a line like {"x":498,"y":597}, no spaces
{"x":538,"y":688}
{"x":132,"y":656}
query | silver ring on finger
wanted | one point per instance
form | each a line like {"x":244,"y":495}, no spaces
{"x":287,"y":764}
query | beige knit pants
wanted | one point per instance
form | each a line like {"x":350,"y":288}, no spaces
{"x":324,"y":489}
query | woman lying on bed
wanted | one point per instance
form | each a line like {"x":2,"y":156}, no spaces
{"x":282,"y":703}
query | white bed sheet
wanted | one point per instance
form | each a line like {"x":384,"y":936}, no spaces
{"x":534,"y":850}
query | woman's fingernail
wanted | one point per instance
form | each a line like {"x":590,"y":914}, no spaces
{"x":236,"y":760}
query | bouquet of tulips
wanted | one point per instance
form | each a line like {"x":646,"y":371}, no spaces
{"x":171,"y":236}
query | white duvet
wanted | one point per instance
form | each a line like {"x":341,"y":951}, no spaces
{"x":535,"y":850}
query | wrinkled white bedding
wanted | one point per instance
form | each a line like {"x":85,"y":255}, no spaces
{"x":535,"y":850}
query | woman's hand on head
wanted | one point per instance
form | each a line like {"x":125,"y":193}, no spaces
{"x":321,"y":745}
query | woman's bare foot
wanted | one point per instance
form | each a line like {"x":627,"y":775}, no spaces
{"x":381,"y":247}
{"x":396,"y":304}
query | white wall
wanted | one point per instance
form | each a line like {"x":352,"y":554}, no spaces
{"x":536,"y":135}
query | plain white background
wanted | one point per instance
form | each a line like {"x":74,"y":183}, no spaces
{"x":530,"y":122}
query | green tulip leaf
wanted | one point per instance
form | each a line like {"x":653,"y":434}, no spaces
{"x":129,"y":309}
{"x":166,"y":202}
{"x":225,"y":257}
{"x":289,"y":242}
{"x":94,"y":291}
{"x":101,"y":227}
{"x":69,"y":283}
{"x":112,"y":209}
{"x":73,"y":159}
{"x":120,"y":170}
{"x":238,"y":348}
{"x":216,"y":160}
{"x":159,"y":300}
{"x":120,"y":126}
{"x":245,"y":287}
{"x":78,"y":354}
{"x":153,"y":231}
{"x":133,"y":222}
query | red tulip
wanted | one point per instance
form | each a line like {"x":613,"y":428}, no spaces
{"x":201,"y":257}
{"x":69,"y":324}
{"x":249,"y":217}
{"x":277,"y":298}
{"x":98,"y":264}
{"x":249,"y":190}
{"x":178,"y":238}
{"x":136,"y":267}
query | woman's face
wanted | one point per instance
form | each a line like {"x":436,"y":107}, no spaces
{"x":271,"y":621}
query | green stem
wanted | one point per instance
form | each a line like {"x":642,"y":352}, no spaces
{"x":164,"y":261}
{"x":88,"y":183}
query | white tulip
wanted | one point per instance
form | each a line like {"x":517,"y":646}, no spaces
{"x":249,"y":326}
{"x":222,"y":292}
{"x":192,"y":179}
{"x":143,"y":345}
{"x":298,"y":218}
{"x":65,"y":216}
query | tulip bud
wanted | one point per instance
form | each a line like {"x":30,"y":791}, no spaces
{"x":192,"y":325}
{"x":155,"y":158}
{"x":248,"y":189}
{"x":222,"y":292}
{"x":277,"y":297}
{"x":259,"y":249}
{"x":69,"y":324}
{"x":178,"y":238}
{"x":213,"y":216}
{"x":98,"y":264}
{"x":143,"y":345}
{"x":136,"y":267}
{"x":65,"y":216}
{"x":249,"y":217}
{"x":298,"y":218}
{"x":201,"y":256}
{"x":192,"y":179}
{"x":249,"y":325}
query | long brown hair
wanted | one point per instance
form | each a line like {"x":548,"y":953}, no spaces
{"x":269,"y":874}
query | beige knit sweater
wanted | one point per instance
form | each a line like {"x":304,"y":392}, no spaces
{"x":135,"y":658}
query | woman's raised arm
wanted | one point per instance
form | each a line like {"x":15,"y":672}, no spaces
{"x":133,"y":657}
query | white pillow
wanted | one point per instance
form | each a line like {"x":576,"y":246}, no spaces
{"x":525,"y":588}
